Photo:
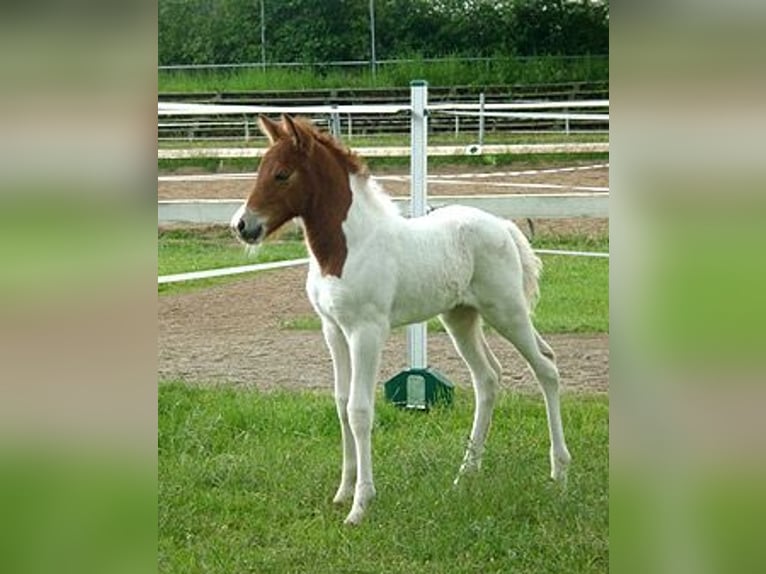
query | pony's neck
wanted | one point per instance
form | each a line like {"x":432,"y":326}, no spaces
{"x":328,"y":209}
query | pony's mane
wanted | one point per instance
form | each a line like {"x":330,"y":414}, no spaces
{"x":350,"y":160}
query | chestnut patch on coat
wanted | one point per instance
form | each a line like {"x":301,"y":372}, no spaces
{"x":305,"y":173}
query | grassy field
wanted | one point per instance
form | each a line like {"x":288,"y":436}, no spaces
{"x":574,"y":289}
{"x":246,"y":481}
{"x":446,"y":72}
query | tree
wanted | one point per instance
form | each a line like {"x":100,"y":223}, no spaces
{"x":228,"y":31}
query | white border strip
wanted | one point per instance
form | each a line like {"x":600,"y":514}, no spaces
{"x":210,"y":273}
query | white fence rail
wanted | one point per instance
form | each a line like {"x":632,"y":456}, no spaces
{"x":398,"y":151}
{"x":521,"y":206}
{"x":190,"y":121}
{"x":182,"y":109}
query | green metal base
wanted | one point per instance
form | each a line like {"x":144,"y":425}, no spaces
{"x":419,"y":389}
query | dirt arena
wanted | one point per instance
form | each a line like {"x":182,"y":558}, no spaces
{"x":233,"y":334}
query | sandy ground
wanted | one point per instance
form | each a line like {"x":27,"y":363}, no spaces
{"x":232,"y":334}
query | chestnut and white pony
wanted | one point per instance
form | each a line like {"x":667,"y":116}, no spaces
{"x":371,"y":270}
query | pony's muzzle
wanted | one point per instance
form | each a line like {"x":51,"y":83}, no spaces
{"x":249,"y":234}
{"x":246,"y":226}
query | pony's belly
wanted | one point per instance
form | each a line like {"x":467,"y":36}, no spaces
{"x":417,"y":305}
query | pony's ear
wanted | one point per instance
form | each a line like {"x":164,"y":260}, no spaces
{"x":301,"y":139}
{"x":269,"y":128}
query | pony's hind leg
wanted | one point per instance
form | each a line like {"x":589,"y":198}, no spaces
{"x":515,"y":325}
{"x":464,"y":327}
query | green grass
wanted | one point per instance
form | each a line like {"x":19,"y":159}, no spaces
{"x":246,"y":480}
{"x":574,"y":291}
{"x":184,"y":249}
{"x":445,"y":72}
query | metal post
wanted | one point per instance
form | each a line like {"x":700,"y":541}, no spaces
{"x":335,"y":122}
{"x":373,"y":63}
{"x":481,"y":119}
{"x":263,"y":37}
{"x":418,"y":387}
{"x":416,"y":334}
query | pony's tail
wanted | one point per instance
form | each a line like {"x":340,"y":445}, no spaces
{"x":531,"y":266}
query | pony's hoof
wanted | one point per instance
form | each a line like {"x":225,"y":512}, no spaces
{"x":343,"y":495}
{"x":559,"y":467}
{"x":466,"y":469}
{"x":560,"y":477}
{"x":354,"y":517}
{"x":363,"y":496}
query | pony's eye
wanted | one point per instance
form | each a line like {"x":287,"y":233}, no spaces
{"x":282,"y":175}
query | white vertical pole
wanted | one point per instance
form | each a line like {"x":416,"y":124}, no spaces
{"x":416,"y":334}
{"x":263,"y":38}
{"x":373,"y":63}
{"x":481,"y":118}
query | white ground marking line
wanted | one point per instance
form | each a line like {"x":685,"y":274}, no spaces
{"x":522,"y":185}
{"x":500,"y":173}
{"x":253,"y":175}
{"x":206,"y":177}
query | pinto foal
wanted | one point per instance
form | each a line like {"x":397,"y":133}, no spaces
{"x":371,"y":270}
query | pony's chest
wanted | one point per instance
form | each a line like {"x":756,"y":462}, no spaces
{"x":327,"y":294}
{"x":346,"y":300}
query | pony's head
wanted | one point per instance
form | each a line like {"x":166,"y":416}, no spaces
{"x":281,"y":190}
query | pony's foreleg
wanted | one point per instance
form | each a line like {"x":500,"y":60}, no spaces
{"x":341,"y":361}
{"x":365,"y":345}
{"x":464,"y":327}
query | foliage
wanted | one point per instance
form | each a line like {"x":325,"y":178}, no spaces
{"x":229,"y":31}
{"x":246,"y":478}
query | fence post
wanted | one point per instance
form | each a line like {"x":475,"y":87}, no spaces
{"x":416,"y":334}
{"x":419,"y":386}
{"x":335,"y":122}
{"x":481,"y":119}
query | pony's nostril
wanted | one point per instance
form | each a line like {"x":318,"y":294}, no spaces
{"x":241,"y":225}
